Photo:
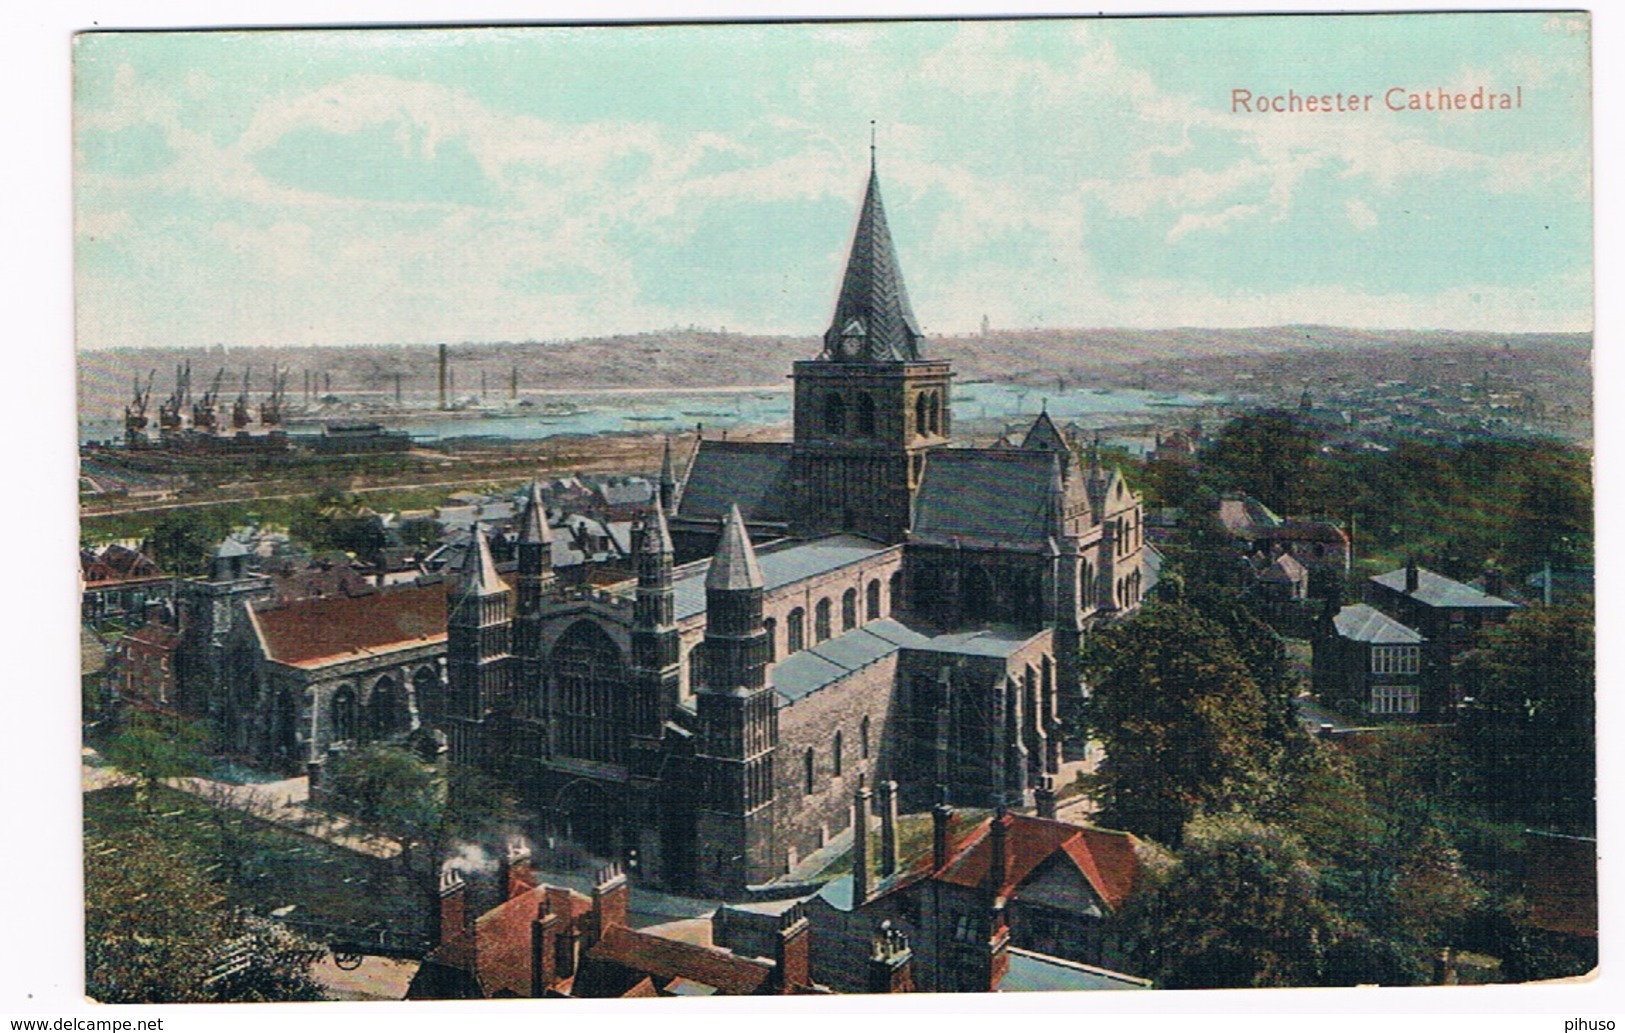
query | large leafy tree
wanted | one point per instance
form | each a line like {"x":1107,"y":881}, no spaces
{"x":1242,"y":908}
{"x":423,"y":809}
{"x":151,"y":747}
{"x":1531,"y":727}
{"x":1182,"y":720}
{"x":158,"y":929}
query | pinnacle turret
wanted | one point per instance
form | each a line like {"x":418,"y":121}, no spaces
{"x":656,"y":534}
{"x":533,"y":529}
{"x":479,"y":571}
{"x":734,"y":566}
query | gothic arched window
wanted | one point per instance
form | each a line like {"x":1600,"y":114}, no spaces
{"x":863,"y":737}
{"x":920,"y":416}
{"x":771,"y":627}
{"x":821,"y":620}
{"x":835,"y":755}
{"x":795,"y":631}
{"x":936,"y":413}
{"x":590,"y":676}
{"x":344,"y":715}
{"x":872,"y":601}
{"x":866,"y":415}
{"x":849,"y":609}
{"x":387,"y":710}
{"x":808,"y":771}
{"x":834,"y":414}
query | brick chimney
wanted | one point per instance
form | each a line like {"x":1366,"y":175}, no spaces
{"x":792,"y":951}
{"x":1044,"y":798}
{"x":941,"y":815}
{"x":544,"y":954}
{"x":888,"y":828}
{"x":860,"y":843}
{"x":1413,"y":576}
{"x":999,"y":869}
{"x":566,"y":940}
{"x":891,"y":962}
{"x":454,"y":919}
{"x":611,"y":899}
{"x":513,"y":873}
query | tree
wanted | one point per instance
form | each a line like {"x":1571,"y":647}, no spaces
{"x":158,"y":930}
{"x":1240,"y":909}
{"x":1182,"y":721}
{"x":152,"y":747}
{"x":1530,"y":728}
{"x":1272,"y":456}
{"x":180,"y":541}
{"x":426,"y":812}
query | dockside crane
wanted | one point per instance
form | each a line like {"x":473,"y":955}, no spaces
{"x":205,"y":414}
{"x":271,"y":408}
{"x":135,"y":414}
{"x":172,"y":411}
{"x":240,"y":416}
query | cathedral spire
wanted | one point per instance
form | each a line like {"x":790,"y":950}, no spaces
{"x":656,"y":534}
{"x":873,"y":320}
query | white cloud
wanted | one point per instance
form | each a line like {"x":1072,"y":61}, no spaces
{"x":1361,"y":217}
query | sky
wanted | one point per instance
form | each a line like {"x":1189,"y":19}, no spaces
{"x":415,"y":186}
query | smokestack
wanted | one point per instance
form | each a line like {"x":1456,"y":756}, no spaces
{"x":442,"y":376}
{"x":397,"y":389}
{"x":888,"y":828}
{"x":513,"y":383}
{"x":860,"y":843}
{"x":941,"y":815}
{"x":482,"y":385}
{"x":327,"y":383}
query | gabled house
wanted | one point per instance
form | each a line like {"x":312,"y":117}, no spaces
{"x":1367,"y":662}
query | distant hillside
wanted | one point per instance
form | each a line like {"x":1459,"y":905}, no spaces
{"x":709,"y":359}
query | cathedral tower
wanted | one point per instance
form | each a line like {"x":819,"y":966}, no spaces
{"x":478,"y":674}
{"x":738,"y":723}
{"x":535,"y":550}
{"x":870,"y":407}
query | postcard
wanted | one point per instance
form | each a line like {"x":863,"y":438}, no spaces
{"x":836,"y":507}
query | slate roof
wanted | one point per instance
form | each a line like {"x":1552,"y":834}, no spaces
{"x":985,"y":497}
{"x":779,"y":566}
{"x":1044,"y":435}
{"x":1362,"y":623}
{"x":873,"y":303}
{"x":805,"y":672}
{"x":1031,"y":971}
{"x":1440,"y":591}
{"x":753,"y":474}
{"x":1104,"y":857}
{"x":311,"y":632}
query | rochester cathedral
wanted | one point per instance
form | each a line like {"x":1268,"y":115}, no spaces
{"x":865,"y":603}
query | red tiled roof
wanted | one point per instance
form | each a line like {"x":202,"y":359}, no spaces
{"x":504,"y":940}
{"x":313,"y":631}
{"x":1105,"y":858}
{"x":666,"y":960}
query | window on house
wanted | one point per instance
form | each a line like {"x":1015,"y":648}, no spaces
{"x":1393,"y":699}
{"x":795,"y":631}
{"x":965,"y":929}
{"x":835,"y":755}
{"x":849,"y":609}
{"x":821,"y":621}
{"x":1396,"y":659}
{"x":872,"y":600}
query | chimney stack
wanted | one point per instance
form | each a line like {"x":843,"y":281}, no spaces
{"x":999,"y":869}
{"x":891,"y":962}
{"x":565,"y":941}
{"x":1044,"y":797}
{"x":543,"y":952}
{"x":941,"y":815}
{"x":792,"y":953}
{"x":611,"y":898}
{"x":1413,"y":576}
{"x":513,"y":875}
{"x":860,"y":843}
{"x":454,"y":918}
{"x":888,"y":828}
